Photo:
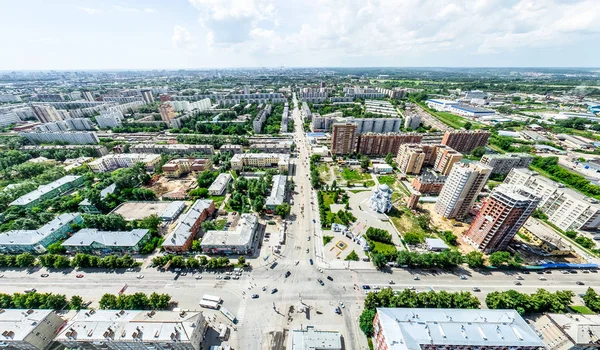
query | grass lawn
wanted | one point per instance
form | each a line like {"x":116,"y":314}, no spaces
{"x":324,"y":173}
{"x":405,"y":221}
{"x":382,"y":247}
{"x":581,"y":309}
{"x":328,"y":198}
{"x":358,"y":191}
{"x":354,"y":175}
{"x":387,"y":179}
{"x":218,"y":200}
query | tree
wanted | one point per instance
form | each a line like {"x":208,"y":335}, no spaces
{"x":207,"y":226}
{"x":196,"y":245}
{"x":352,"y":256}
{"x":378,"y":235}
{"x":283,"y":210}
{"x":76,"y":302}
{"x":365,"y":162}
{"x":25,"y":260}
{"x":241,"y":261}
{"x":199,"y":193}
{"x":389,"y":158}
{"x":413,"y":238}
{"x":379,"y":260}
{"x":499,"y":258}
{"x":474,"y":259}
{"x":366,"y":321}
{"x":258,"y":203}
{"x":56,"y":248}
{"x":108,"y":302}
{"x":192,"y":263}
{"x":468,"y":126}
{"x":478,"y":152}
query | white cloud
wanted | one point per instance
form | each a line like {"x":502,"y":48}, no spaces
{"x":133,"y":9}
{"x":89,"y":10}
{"x":182,"y":39}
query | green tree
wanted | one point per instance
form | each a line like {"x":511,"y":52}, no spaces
{"x":474,"y":259}
{"x":196,"y":245}
{"x":379,"y":260}
{"x":108,"y":302}
{"x":468,"y":126}
{"x":283,"y":210}
{"x":366,"y":321}
{"x":352,"y":256}
{"x":56,"y":248}
{"x":25,"y":260}
{"x":413,"y":238}
{"x":389,"y":158}
{"x":242,"y":261}
{"x":365,"y":162}
{"x":499,"y":258}
{"x":76,"y":302}
{"x":478,"y":152}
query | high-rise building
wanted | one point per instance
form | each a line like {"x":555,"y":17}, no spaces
{"x":412,"y":121}
{"x":109,"y":119}
{"x":445,"y":158}
{"x":167,"y":113}
{"x":343,"y":140}
{"x":46,"y":113}
{"x":465,"y":141}
{"x":382,"y":144}
{"x":88,"y":95}
{"x":79,"y":124}
{"x":412,"y":157}
{"x":147,"y":95}
{"x":503,"y":163}
{"x":502,"y":215}
{"x":464,"y":183}
{"x":9,"y":119}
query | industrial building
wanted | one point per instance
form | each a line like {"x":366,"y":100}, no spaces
{"x":503,"y":163}
{"x":180,"y":239}
{"x":462,"y":187}
{"x":432,"y":329}
{"x":500,"y":218}
{"x":566,"y":208}
{"x":239,"y":240}
{"x":126,"y":160}
{"x":261,"y":160}
{"x":49,"y":191}
{"x":90,"y":240}
{"x":28,"y":329}
{"x":218,"y":187}
{"x":36,"y":241}
{"x":138,"y":330}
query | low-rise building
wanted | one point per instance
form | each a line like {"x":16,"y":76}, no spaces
{"x":218,"y":187}
{"x":277,"y":196}
{"x":49,"y":191}
{"x":261,"y":160}
{"x":429,"y":183}
{"x":233,"y":149}
{"x":180,"y":239}
{"x":172,"y":211}
{"x":280,"y":147}
{"x":86,"y":205}
{"x":313,"y":339}
{"x":542,"y":236}
{"x":176,"y":148}
{"x":181,"y":166}
{"x":126,"y":160}
{"x":121,"y":329}
{"x":503,"y":163}
{"x":90,"y":240}
{"x":239,"y":240}
{"x":28,"y":329}
{"x":382,"y":168}
{"x":36,"y":241}
{"x":568,"y":331}
{"x":415,"y":328}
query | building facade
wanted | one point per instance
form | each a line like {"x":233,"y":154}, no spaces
{"x":167,"y":112}
{"x":445,"y":158}
{"x":177,"y":148}
{"x":126,"y":160}
{"x":503,"y":163}
{"x":70,"y":137}
{"x":462,"y":187}
{"x":240,"y":240}
{"x":465,"y":141}
{"x":49,"y":191}
{"x":343,"y":139}
{"x":29,"y":329}
{"x":218,"y":187}
{"x":93,"y":241}
{"x":182,"y":236}
{"x":261,"y":160}
{"x":381,"y":144}
{"x":502,"y":215}
{"x":429,"y":183}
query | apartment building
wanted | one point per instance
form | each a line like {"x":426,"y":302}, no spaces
{"x":49,"y":191}
{"x":381,"y":144}
{"x":28,"y":329}
{"x":177,"y":167}
{"x":70,"y":137}
{"x":109,"y":119}
{"x":147,"y":95}
{"x":429,"y":183}
{"x":261,"y":160}
{"x":433,"y":329}
{"x":186,"y":106}
{"x":88,"y":95}
{"x":9,"y":118}
{"x":238,"y":240}
{"x":277,"y":196}
{"x":503,"y":163}
{"x":566,"y":208}
{"x":167,"y":112}
{"x":280,"y":147}
{"x":233,"y":149}
{"x":79,"y":124}
{"x":412,"y":121}
{"x":412,"y":157}
{"x":100,"y":150}
{"x":465,"y":141}
{"x":344,"y":138}
{"x":177,"y":148}
{"x":8,"y":98}
{"x":502,"y":215}
{"x":46,"y":113}
{"x":136,"y":330}
{"x":36,"y":241}
{"x":462,"y":187}
{"x":56,"y":126}
{"x":445,"y":158}
{"x":91,"y":240}
{"x":126,"y":160}
{"x":182,"y":236}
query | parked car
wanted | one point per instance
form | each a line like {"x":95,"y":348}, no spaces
{"x":139,"y":277}
{"x":45,"y":275}
{"x":79,"y":275}
{"x":330,"y":278}
{"x":310,"y":261}
{"x":320,"y":281}
{"x":254,"y":296}
{"x":476,"y":289}
{"x":579,"y":283}
{"x":366,"y":287}
{"x":463,"y":277}
{"x":391,"y":282}
{"x":274,"y":290}
{"x":287,"y":274}
{"x":517,"y":283}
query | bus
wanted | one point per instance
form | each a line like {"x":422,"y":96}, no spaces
{"x":228,"y":314}
{"x":212,"y":298}
{"x":209,"y":304}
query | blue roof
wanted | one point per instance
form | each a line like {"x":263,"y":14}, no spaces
{"x":315,"y":134}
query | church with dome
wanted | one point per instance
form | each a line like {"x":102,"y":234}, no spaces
{"x":381,"y":200}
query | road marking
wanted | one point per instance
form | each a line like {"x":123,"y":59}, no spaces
{"x":241,"y":311}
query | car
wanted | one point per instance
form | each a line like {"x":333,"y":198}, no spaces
{"x":79,"y":275}
{"x":572,"y":271}
{"x":540,"y":272}
{"x":45,"y":275}
{"x":342,"y":305}
{"x":177,"y":269}
{"x":594,"y":271}
{"x":391,"y":281}
{"x":130,"y":269}
{"x":585,"y":271}
{"x":377,"y":288}
{"x":297,"y":262}
{"x":227,"y":277}
{"x":520,"y":278}
{"x":320,"y":281}
{"x":337,"y":310}
{"x":287,"y":274}
{"x":517,"y":283}
{"x":525,"y":272}
{"x":310,"y":261}
{"x":542,"y":278}
{"x":30,"y":290}
{"x":579,"y":283}
{"x":236,"y":277}
{"x":416,"y":278}
{"x":463,"y":277}
{"x":548,"y":272}
{"x":219,"y":277}
{"x":198,"y":277}
{"x":410,"y":288}
{"x":1,"y":275}
{"x":274,"y":290}
{"x":365,"y":286}
{"x":254,"y":296}
{"x":476,"y":289}
{"x":139,"y":277}
{"x":308,"y":238}
{"x":228,"y":273}
{"x":330,"y":278}
{"x":307,"y":250}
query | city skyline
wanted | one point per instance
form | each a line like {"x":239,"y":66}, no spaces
{"x":86,"y":35}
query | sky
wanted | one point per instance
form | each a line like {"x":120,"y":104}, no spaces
{"x":189,"y":34}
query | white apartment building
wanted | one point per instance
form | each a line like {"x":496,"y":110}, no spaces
{"x":503,"y":163}
{"x":186,"y":106}
{"x":109,"y":119}
{"x":70,"y":137}
{"x":261,"y":160}
{"x":79,"y":124}
{"x":46,"y":113}
{"x":126,"y":160}
{"x":464,"y":183}
{"x":9,"y":118}
{"x":412,"y":121}
{"x":219,"y":186}
{"x":7,"y":98}
{"x":566,"y":208}
{"x":28,"y":329}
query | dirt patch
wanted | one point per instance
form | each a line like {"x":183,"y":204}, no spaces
{"x":166,"y":185}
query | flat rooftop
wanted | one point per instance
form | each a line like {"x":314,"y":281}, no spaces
{"x":21,"y":322}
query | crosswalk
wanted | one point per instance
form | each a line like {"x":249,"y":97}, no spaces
{"x":242,"y":311}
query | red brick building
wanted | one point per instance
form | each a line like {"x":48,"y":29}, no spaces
{"x":465,"y":141}
{"x":381,"y":144}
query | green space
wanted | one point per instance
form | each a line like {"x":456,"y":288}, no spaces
{"x":354,"y":175}
{"x":383,"y":248}
{"x":326,"y":198}
{"x":389,"y":180}
{"x":581,"y":309}
{"x":217,"y":199}
{"x":327,"y":239}
{"x":324,"y":173}
{"x":220,"y":224}
{"x":358,"y":191}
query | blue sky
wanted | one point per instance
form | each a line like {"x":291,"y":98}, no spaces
{"x":149,"y":34}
